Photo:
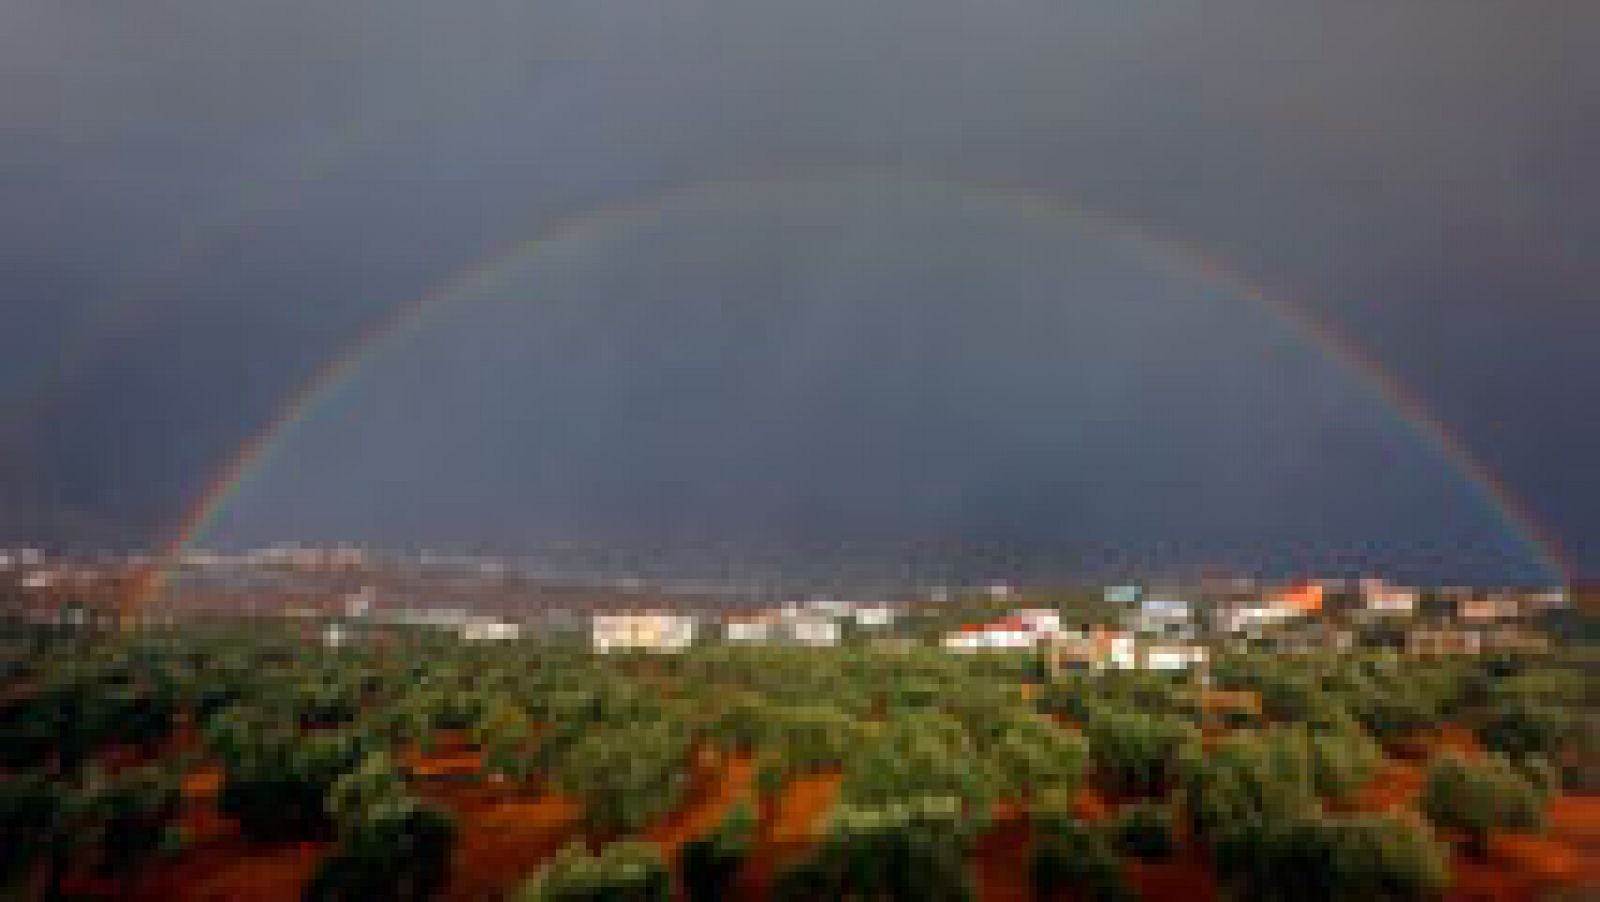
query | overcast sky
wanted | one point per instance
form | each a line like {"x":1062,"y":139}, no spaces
{"x":201,"y":203}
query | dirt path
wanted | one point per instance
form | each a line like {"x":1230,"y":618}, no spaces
{"x":788,"y":830}
{"x":1566,"y":856}
{"x":706,"y":806}
{"x":502,"y":839}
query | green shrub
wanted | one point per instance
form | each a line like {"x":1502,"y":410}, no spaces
{"x":621,"y":872}
{"x":33,"y":812}
{"x":1143,"y":830}
{"x":1247,"y":777}
{"x":625,"y":776}
{"x":1069,"y":855}
{"x":710,"y":864}
{"x":400,"y":849}
{"x":1521,"y":726}
{"x":1135,"y":754}
{"x":276,"y":784}
{"x":905,"y":851}
{"x":131,"y":816}
{"x":1478,"y":797}
{"x":917,"y":756}
{"x":1314,"y":858}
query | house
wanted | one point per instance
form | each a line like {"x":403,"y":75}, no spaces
{"x":1040,"y":620}
{"x":1512,"y":638}
{"x":1096,"y":648}
{"x":816,"y":632}
{"x":790,"y":626}
{"x":1169,"y":618}
{"x":747,"y":628}
{"x":1486,"y":608}
{"x":1127,"y":595}
{"x":1313,"y":638}
{"x":1443,"y":641}
{"x":641,"y":631}
{"x":879,"y":616}
{"x":487,"y":629}
{"x":1379,"y":597}
{"x":1172,"y":655}
{"x":1253,"y":617}
{"x":1011,"y":634}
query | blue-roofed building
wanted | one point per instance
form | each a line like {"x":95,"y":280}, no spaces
{"x":1123,"y":594}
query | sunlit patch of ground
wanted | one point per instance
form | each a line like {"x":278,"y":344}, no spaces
{"x":502,"y":838}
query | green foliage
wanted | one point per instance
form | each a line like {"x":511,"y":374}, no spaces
{"x":908,"y":850}
{"x":710,"y":864}
{"x":398,"y":848}
{"x":1143,"y":830}
{"x":1331,"y":859}
{"x":1033,"y":758}
{"x":276,"y":784}
{"x":1521,"y":726}
{"x":918,"y":756}
{"x":625,"y":776}
{"x":1136,"y":754}
{"x":1246,"y":778}
{"x":621,"y":872}
{"x":374,"y":781}
{"x":33,"y":813}
{"x":130,"y":817}
{"x":1478,"y":797}
{"x":1069,"y":855}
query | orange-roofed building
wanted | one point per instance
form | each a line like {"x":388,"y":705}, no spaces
{"x":1305,"y":598}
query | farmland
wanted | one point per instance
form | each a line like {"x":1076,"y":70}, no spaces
{"x":223,"y":763}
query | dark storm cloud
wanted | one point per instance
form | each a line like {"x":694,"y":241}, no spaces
{"x":1418,"y":174}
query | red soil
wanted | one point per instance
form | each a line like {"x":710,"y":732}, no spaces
{"x":787,"y":829}
{"x":219,"y":864}
{"x":715,"y":792}
{"x":501,"y":840}
{"x":1519,"y":867}
{"x":1000,"y":867}
{"x":1186,"y":877}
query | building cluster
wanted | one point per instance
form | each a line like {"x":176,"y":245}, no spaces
{"x":1176,"y":628}
{"x":817,"y":623}
{"x":347,"y":593}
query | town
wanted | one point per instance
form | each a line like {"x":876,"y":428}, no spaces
{"x":346,"y":594}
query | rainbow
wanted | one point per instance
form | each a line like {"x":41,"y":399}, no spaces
{"x":584,"y":230}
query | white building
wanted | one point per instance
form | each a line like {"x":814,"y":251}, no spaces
{"x":1040,"y":620}
{"x":642,"y":631}
{"x":485,"y":629}
{"x":1378,"y":596}
{"x":1010,"y":634}
{"x":747,"y":629}
{"x":875,"y":616}
{"x":1173,"y":656}
{"x":817,"y":632}
{"x":1169,"y":618}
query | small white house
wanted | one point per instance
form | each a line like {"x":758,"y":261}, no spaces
{"x":489,"y":630}
{"x":817,"y":632}
{"x":1040,"y":620}
{"x":875,"y":616}
{"x":1173,"y":656}
{"x":1168,"y":618}
{"x":747,"y":629}
{"x":660,"y":631}
{"x":1379,"y":597}
{"x":1010,"y":634}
